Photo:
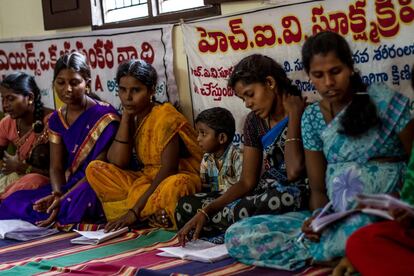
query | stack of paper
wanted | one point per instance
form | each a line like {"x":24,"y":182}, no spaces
{"x":198,"y":250}
{"x":319,"y":223}
{"x":376,"y":204}
{"x":384,"y":202}
{"x":96,"y":237}
{"x":22,"y":230}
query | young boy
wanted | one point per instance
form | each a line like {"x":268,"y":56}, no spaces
{"x":221,"y":164}
{"x":220,"y":167}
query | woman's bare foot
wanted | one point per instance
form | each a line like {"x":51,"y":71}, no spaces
{"x":344,"y":268}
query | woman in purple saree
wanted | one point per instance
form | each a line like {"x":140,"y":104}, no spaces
{"x":80,"y":132}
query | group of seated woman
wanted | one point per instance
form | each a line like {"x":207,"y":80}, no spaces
{"x":144,"y":166}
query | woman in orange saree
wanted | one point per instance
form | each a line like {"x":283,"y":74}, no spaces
{"x":166,"y":148}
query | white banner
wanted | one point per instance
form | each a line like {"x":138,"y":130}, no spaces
{"x":105,"y":50}
{"x":381,"y":34}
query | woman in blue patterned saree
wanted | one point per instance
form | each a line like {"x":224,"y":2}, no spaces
{"x":356,"y":140}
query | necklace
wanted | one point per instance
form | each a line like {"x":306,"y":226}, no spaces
{"x":84,"y":105}
{"x":19,"y":128}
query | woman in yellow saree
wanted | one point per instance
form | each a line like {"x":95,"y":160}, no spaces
{"x":167,"y":152}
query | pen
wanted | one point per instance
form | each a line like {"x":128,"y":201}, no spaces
{"x":321,"y":213}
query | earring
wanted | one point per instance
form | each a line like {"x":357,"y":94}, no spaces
{"x":30,"y":102}
{"x":151,"y":99}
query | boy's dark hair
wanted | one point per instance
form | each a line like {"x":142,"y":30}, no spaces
{"x":220,"y":120}
{"x":361,"y":113}
{"x":256,"y":68}
{"x":22,"y":83}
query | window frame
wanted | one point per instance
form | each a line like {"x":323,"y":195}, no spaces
{"x":164,"y":18}
{"x":63,"y":18}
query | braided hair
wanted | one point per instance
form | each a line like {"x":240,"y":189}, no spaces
{"x":24,"y":84}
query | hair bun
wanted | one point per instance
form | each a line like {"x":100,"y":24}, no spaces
{"x":38,"y":126}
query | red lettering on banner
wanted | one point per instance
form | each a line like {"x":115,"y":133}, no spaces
{"x":406,"y":11}
{"x":100,"y":55}
{"x":100,"y":59}
{"x":31,"y":56}
{"x":290,"y":36}
{"x":318,"y":19}
{"x":264,"y":35}
{"x":98,"y":84}
{"x":109,"y":56}
{"x":337,"y":22}
{"x":357,"y":20}
{"x":126,"y":53}
{"x":387,"y":22}
{"x":52,"y":55}
{"x":203,"y":45}
{"x":80,"y":48}
{"x":147,"y":53}
{"x":240,"y":42}
{"x":340,"y":23}
{"x":4,"y":61}
{"x":66,"y":48}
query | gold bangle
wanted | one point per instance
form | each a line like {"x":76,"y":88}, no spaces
{"x":204,"y":213}
{"x":293,"y":140}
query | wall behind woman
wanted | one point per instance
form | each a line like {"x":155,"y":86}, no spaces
{"x":24,"y":18}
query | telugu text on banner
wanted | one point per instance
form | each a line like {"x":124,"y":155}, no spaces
{"x":381,"y":34}
{"x":105,"y":50}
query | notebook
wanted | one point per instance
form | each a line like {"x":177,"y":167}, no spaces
{"x":97,"y":237}
{"x":21,"y":230}
{"x":199,"y":250}
{"x":319,"y":223}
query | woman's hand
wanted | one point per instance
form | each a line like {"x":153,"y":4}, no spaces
{"x":402,"y":216}
{"x":308,"y":231}
{"x":196,"y":223}
{"x":126,"y":220}
{"x":293,"y":104}
{"x":12,"y":163}
{"x":50,"y":204}
{"x":129,"y":112}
